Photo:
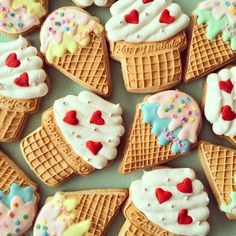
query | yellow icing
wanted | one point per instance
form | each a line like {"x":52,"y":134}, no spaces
{"x":78,"y":229}
{"x":70,"y":43}
{"x":33,"y":7}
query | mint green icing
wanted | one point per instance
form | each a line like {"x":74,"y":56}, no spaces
{"x":231,"y":207}
{"x":215,"y":27}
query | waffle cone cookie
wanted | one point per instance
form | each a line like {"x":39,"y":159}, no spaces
{"x":212,"y":39}
{"x":159,"y":131}
{"x":23,"y":82}
{"x":21,"y":17}
{"x":83,"y":213}
{"x":219,"y":103}
{"x":87,"y":3}
{"x":148,"y":43}
{"x":166,"y":202}
{"x":219,"y":165}
{"x":78,"y":135}
{"x":76,"y":46}
{"x":19,"y":199}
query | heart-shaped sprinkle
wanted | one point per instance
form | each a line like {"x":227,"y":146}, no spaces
{"x":132,"y":17}
{"x":185,"y":186}
{"x":147,"y":1}
{"x":227,"y":113}
{"x":70,"y":118}
{"x":166,"y":18}
{"x":94,"y":147}
{"x":22,"y":80}
{"x":184,"y":218}
{"x":12,"y":61}
{"x":97,"y":118}
{"x":226,"y":86}
{"x":162,"y":195}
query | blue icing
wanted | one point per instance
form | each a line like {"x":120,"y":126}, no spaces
{"x":26,"y":193}
{"x":160,"y":128}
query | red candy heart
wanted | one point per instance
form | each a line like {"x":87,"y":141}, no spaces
{"x":162,"y":195}
{"x":227,"y":113}
{"x":94,"y":147}
{"x":70,"y":118}
{"x":22,"y":80}
{"x":166,"y":17}
{"x":12,"y":61}
{"x":184,"y":218}
{"x":185,"y":186}
{"x":147,"y":1}
{"x":226,"y":86}
{"x":132,"y":17}
{"x":97,"y":118}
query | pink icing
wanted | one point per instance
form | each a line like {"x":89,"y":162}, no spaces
{"x":182,"y":110}
{"x":9,"y":217}
{"x":63,"y":20}
{"x":220,"y":9}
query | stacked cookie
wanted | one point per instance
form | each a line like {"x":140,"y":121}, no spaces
{"x":80,"y":133}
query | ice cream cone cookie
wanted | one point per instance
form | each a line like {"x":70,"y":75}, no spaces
{"x":22,"y":84}
{"x":167,"y":202}
{"x":219,"y":103}
{"x":21,"y":16}
{"x":165,"y":126}
{"x":212,"y":38}
{"x":80,"y":134}
{"x":79,"y":213}
{"x":73,"y":42}
{"x":147,"y":37}
{"x":18,"y":199}
{"x":87,"y":3}
{"x":219,"y":165}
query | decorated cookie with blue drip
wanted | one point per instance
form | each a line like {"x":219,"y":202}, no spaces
{"x":166,"y":125}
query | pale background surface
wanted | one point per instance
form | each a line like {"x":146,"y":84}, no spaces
{"x":109,"y":177}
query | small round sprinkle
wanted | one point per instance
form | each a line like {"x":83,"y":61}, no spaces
{"x":17,"y":230}
{"x":8,"y":234}
{"x":170,"y":106}
{"x":58,"y":23}
{"x":45,"y":227}
{"x":175,"y":116}
{"x":62,"y":14}
{"x":12,"y":14}
{"x":17,"y":222}
{"x":181,"y":101}
{"x":37,"y":226}
{"x":66,"y":28}
{"x":188,"y":99}
{"x":166,"y":109}
{"x":25,"y":217}
{"x":9,"y":25}
{"x":45,"y":233}
{"x":178,"y":110}
{"x":20,"y":25}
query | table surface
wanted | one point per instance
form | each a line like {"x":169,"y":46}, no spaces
{"x":109,"y":177}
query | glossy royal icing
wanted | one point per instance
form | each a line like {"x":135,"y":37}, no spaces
{"x":138,"y":21}
{"x":19,"y":16}
{"x":175,"y":117}
{"x":17,"y":210}
{"x":91,"y":125}
{"x":163,"y":198}
{"x":65,"y":29}
{"x":21,"y":73}
{"x":220,"y":105}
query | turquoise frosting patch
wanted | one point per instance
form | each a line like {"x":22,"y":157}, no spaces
{"x":215,"y":27}
{"x":160,"y":128}
{"x":26,"y":193}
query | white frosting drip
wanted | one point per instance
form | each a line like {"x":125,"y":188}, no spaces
{"x":149,"y":28}
{"x":166,"y":214}
{"x":217,"y":98}
{"x":87,"y":3}
{"x":31,"y":63}
{"x":85,"y":104}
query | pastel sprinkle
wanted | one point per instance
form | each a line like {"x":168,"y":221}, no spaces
{"x":9,"y":25}
{"x":37,"y":226}
{"x":11,"y":214}
{"x":175,"y":116}
{"x":181,"y":100}
{"x":45,"y":233}
{"x":184,"y":120}
{"x":178,"y":110}
{"x":170,"y":99}
{"x":45,"y":227}
{"x":25,"y":217}
{"x":191,"y":119}
{"x":20,"y":25}
{"x":67,"y":28}
{"x":58,"y":23}
{"x":44,"y":221}
{"x":166,"y":109}
{"x":170,"y":106}
{"x":8,"y":234}
{"x":17,"y":230}
{"x":62,"y":14}
{"x":190,"y":113}
{"x":72,"y":23}
{"x":188,"y":99}
{"x":52,"y":18}
{"x":17,"y":222}
{"x":183,"y":105}
{"x":227,"y":4}
{"x":12,"y":14}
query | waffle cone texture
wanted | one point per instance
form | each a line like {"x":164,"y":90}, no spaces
{"x":150,"y":67}
{"x":50,"y":156}
{"x":137,"y":224}
{"x":205,"y":56}
{"x":101,"y":206}
{"x":89,"y":66}
{"x":142,"y":149}
{"x":219,"y":165}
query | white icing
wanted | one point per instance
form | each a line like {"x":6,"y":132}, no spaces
{"x":87,"y":3}
{"x":31,"y":63}
{"x":149,"y":28}
{"x":85,"y":104}
{"x":216,"y":99}
{"x":166,"y":214}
